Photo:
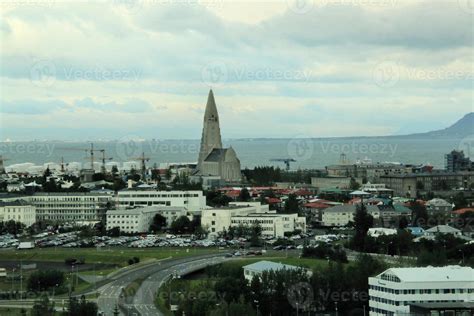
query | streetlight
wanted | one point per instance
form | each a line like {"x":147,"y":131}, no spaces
{"x":256,"y":303}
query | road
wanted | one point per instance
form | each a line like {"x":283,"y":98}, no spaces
{"x":113,"y":293}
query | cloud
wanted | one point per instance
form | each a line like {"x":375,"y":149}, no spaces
{"x":32,"y":107}
{"x":268,"y":64}
{"x":128,"y":106}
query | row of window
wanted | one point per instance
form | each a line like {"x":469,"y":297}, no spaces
{"x":157,"y":195}
{"x":420,"y":291}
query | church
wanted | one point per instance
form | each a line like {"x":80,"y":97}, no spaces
{"x":214,"y":161}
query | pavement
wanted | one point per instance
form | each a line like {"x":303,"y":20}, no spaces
{"x":147,"y":279}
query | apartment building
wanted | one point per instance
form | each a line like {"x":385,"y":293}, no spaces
{"x":132,"y":221}
{"x":341,"y":215}
{"x":272,"y":224}
{"x":393,"y":291}
{"x":74,"y":207}
{"x":18,"y":211}
{"x":194,"y":201}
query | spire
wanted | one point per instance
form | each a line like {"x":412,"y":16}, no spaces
{"x":211,"y":132}
{"x":211,"y":108}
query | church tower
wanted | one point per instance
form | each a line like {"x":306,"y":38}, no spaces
{"x":211,"y":132}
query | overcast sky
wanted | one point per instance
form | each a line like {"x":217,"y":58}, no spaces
{"x":113,"y":69}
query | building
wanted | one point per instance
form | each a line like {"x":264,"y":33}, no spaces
{"x":256,"y":269}
{"x":18,"y":211}
{"x":341,"y":215}
{"x":372,"y":171}
{"x":247,"y":214}
{"x":447,"y":308}
{"x":132,"y":221}
{"x":214,"y":160}
{"x":456,"y":161}
{"x":438,"y":206}
{"x":380,"y":231}
{"x":442,"y":229}
{"x":272,"y":224}
{"x":332,"y":182}
{"x":193,"y":201}
{"x":394,"y":290}
{"x":74,"y":207}
{"x":376,"y":189}
{"x":216,"y":220}
{"x":408,"y":185}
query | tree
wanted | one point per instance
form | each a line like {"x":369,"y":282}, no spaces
{"x":362,"y":222}
{"x":42,"y":280}
{"x":81,"y":307}
{"x":419,"y":214}
{"x":114,"y":170}
{"x":43,"y":307}
{"x":256,"y":232}
{"x":244,"y":195}
{"x":403,"y":222}
{"x":159,"y":221}
{"x":291,"y":204}
{"x":353,"y":184}
{"x":459,"y":200}
{"x":181,"y":225}
{"x":114,"y":232}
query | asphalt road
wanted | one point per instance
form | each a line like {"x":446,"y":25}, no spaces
{"x":113,"y":293}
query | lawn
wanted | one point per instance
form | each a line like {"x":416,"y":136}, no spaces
{"x":118,"y":256}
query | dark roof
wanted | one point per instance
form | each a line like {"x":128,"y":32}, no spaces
{"x":14,"y":203}
{"x":216,"y":155}
{"x":442,"y":305}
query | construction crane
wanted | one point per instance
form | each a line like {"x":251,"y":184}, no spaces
{"x":104,"y":159}
{"x":143,"y":161}
{"x":91,"y":154}
{"x":286,"y":161}
{"x":2,"y":167}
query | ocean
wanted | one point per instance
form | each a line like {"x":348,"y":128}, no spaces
{"x":308,"y":153}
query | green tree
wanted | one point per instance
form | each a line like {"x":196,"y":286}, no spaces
{"x":159,"y":221}
{"x":43,"y":307}
{"x":362,"y":222}
{"x":256,"y":232}
{"x":291,"y":204}
{"x":81,"y":307}
{"x":181,"y":225}
{"x":244,"y":195}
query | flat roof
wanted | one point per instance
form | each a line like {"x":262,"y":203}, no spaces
{"x":268,"y":266}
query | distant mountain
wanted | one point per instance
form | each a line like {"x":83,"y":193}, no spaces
{"x":462,"y":128}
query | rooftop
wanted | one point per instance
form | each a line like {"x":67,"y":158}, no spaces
{"x":264,"y":265}
{"x":432,"y":274}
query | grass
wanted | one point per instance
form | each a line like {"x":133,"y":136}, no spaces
{"x":116,"y":255}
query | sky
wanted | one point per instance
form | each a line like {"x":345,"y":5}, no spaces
{"x":109,"y":69}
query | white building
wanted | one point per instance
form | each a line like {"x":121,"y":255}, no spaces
{"x":74,"y":207}
{"x":18,"y":211}
{"x":193,"y":201}
{"x":132,"y":220}
{"x":217,"y":220}
{"x":257,"y":268}
{"x":272,"y":224}
{"x":341,"y":215}
{"x":443,"y":229}
{"x":380,"y":231}
{"x":439,"y":205}
{"x":392,"y":291}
